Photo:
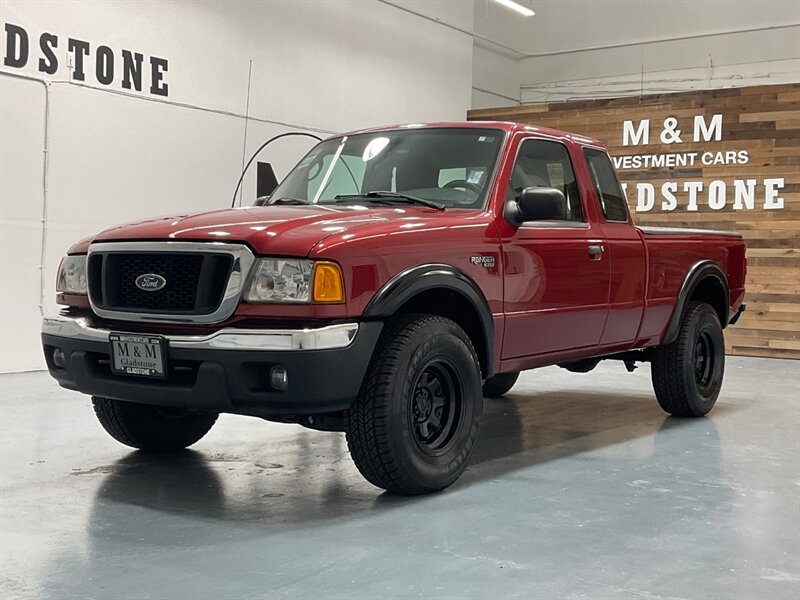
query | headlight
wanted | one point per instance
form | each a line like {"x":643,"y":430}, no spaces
{"x":72,"y":275}
{"x":280,"y":280}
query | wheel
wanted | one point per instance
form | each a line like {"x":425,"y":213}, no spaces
{"x":687,"y":374}
{"x":500,"y":384}
{"x":412,"y":428}
{"x":152,"y":428}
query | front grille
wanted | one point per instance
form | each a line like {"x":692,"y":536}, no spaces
{"x":195,"y":281}
{"x":181,"y":272}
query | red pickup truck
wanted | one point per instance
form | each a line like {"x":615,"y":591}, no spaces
{"x":391,"y":281}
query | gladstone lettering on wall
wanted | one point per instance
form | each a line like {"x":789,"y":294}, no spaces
{"x":744,"y":193}
{"x":86,"y":61}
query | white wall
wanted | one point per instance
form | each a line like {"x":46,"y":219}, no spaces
{"x":495,"y":80}
{"x":733,"y":60}
{"x":317,"y":65}
{"x":562,"y":53}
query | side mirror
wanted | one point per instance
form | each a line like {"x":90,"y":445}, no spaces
{"x":537,"y":204}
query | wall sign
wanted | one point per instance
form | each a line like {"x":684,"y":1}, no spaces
{"x":744,"y":193}
{"x":710,"y":159}
{"x":86,"y":61}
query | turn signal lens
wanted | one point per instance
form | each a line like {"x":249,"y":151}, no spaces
{"x":328,"y":286}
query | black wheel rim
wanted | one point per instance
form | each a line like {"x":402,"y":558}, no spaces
{"x":435,"y":409}
{"x":704,"y":358}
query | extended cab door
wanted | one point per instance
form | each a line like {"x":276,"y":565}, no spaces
{"x":556,"y":272}
{"x":626,"y":252}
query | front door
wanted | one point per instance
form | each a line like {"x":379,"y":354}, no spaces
{"x":556,"y":272}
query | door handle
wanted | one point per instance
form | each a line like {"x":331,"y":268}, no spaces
{"x":595,"y":251}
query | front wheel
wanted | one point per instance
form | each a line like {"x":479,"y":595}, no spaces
{"x":687,"y":373}
{"x":413,"y":426}
{"x":152,"y":428}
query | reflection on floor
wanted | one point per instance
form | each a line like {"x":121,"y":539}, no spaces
{"x":580,"y":487}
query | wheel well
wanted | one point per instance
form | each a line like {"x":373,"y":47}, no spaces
{"x":454,"y":306}
{"x":711,"y":291}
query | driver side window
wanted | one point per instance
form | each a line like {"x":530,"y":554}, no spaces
{"x":545,"y":163}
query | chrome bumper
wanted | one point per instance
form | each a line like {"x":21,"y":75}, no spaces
{"x":323,"y":338}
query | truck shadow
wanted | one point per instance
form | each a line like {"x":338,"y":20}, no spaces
{"x":520,"y":431}
{"x":252,"y":496}
{"x":309,"y":478}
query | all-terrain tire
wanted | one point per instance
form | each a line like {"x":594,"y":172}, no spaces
{"x":500,"y":384}
{"x":413,"y":426}
{"x":687,"y":373}
{"x":152,"y":428}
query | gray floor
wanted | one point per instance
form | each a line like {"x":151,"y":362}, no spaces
{"x":580,"y":488}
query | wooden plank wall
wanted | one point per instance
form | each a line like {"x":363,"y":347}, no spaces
{"x":764,"y":121}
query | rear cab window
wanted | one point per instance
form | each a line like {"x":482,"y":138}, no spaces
{"x":609,"y":194}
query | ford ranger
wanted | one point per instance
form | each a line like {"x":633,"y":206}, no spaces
{"x":393,"y":279}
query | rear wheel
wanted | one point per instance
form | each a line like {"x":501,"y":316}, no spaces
{"x":499,"y":384}
{"x":152,"y":428}
{"x":413,"y":426}
{"x":687,"y":374}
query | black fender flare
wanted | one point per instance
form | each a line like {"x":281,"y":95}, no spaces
{"x":697,"y":273}
{"x":415,"y":280}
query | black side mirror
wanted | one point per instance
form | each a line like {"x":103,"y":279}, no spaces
{"x":537,"y":204}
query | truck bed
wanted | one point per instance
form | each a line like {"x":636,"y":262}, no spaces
{"x":651,"y":230}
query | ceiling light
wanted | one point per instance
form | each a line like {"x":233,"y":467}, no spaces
{"x":523,"y":10}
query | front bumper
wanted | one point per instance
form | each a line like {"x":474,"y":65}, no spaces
{"x":226,"y":371}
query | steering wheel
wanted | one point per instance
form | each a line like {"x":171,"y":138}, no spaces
{"x":463,"y":183}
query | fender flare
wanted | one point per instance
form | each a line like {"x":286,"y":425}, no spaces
{"x":415,"y":280}
{"x":697,"y":273}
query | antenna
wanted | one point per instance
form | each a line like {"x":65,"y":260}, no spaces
{"x":246,"y":118}
{"x":264,"y":145}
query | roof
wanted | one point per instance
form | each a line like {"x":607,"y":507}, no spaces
{"x":507,"y":126}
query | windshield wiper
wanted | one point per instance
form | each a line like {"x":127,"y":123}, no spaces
{"x":382,"y":196}
{"x":291,"y":201}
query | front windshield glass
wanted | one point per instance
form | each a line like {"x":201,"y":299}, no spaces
{"x":449,"y":166}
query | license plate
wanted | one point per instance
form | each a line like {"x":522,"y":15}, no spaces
{"x":142,"y":355}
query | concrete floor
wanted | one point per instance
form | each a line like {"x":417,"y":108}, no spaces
{"x":580,"y":487}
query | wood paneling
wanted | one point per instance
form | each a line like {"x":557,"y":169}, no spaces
{"x":765,"y":122}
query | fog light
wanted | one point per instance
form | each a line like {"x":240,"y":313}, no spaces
{"x":279,"y":378}
{"x":59,"y":358}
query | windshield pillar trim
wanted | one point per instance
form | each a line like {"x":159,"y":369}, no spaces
{"x":323,"y":184}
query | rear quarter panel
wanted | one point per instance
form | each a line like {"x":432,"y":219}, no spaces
{"x":670,"y":257}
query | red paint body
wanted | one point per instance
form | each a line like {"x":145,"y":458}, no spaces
{"x":549,"y":301}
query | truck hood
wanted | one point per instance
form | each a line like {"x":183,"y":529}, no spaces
{"x":277,"y":230}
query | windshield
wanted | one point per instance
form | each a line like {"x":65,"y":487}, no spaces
{"x":449,"y":166}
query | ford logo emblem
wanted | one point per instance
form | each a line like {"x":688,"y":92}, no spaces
{"x":150,"y":282}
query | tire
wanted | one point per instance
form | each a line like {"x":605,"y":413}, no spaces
{"x":499,"y":385}
{"x":152,"y":428}
{"x":687,"y":374}
{"x":413,"y":426}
